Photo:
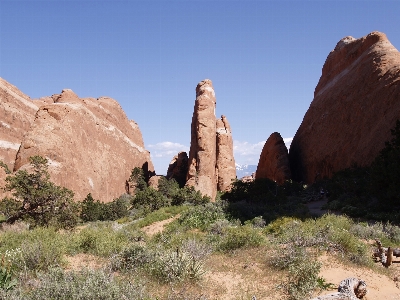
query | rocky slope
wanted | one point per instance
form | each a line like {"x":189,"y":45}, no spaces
{"x":274,"y":161}
{"x":90,"y":144}
{"x":356,"y":103}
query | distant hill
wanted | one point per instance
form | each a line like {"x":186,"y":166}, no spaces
{"x":245,"y":170}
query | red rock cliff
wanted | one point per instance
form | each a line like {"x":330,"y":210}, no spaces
{"x":356,"y":103}
{"x":90,"y":144}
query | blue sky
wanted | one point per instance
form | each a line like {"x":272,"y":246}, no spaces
{"x":264,"y":58}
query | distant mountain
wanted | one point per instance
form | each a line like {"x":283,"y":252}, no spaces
{"x":245,"y":170}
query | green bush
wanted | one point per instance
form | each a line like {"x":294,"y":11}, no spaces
{"x":39,"y":200}
{"x":92,"y":210}
{"x":303,"y":269}
{"x":39,"y":248}
{"x":189,"y":195}
{"x":8,"y":269}
{"x":240,"y":237}
{"x":202,"y":216}
{"x":102,"y":240}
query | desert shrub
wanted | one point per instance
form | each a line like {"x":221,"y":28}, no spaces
{"x":177,"y":265}
{"x":102,"y":240}
{"x":239,"y":237}
{"x":168,"y":188}
{"x":92,"y":210}
{"x":189,"y":195}
{"x":202,"y":216}
{"x":257,"y":222}
{"x":40,"y":248}
{"x":88,"y":284}
{"x":9,"y":207}
{"x":39,"y":200}
{"x":137,"y":181}
{"x":164,"y":264}
{"x":8,"y":269}
{"x":148,"y":200}
{"x":302,"y":271}
{"x":131,"y":258}
{"x":330,"y":232}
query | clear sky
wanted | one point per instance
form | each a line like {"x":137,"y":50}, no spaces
{"x":264,"y":58}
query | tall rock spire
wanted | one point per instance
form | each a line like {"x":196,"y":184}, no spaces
{"x":225,"y":166}
{"x":202,"y":154}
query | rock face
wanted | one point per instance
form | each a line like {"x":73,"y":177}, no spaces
{"x":90,"y":144}
{"x":356,"y":103}
{"x":202,"y":154}
{"x":225,"y":166}
{"x":178,"y":168}
{"x":274,"y":160}
{"x":153,"y":181}
{"x":17,"y":112}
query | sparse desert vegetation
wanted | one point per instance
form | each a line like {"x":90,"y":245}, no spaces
{"x":257,"y":241}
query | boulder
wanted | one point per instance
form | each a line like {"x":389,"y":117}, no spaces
{"x":153,"y":181}
{"x":225,"y":165}
{"x":178,"y":168}
{"x":274,"y":161}
{"x":202,"y":155}
{"x":90,"y":144}
{"x":356,"y":103}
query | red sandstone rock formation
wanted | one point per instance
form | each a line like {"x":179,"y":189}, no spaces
{"x":153,"y":181}
{"x":17,"y":112}
{"x":356,"y":103}
{"x":274,"y":161}
{"x":178,"y":168}
{"x":225,"y":166}
{"x":202,"y":155}
{"x":90,"y":144}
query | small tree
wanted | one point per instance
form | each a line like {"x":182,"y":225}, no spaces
{"x":38,"y":199}
{"x":137,"y":181}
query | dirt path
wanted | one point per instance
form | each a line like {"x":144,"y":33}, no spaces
{"x":315,"y":207}
{"x":157,"y":227}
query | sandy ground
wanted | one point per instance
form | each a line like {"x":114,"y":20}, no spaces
{"x":379,"y":286}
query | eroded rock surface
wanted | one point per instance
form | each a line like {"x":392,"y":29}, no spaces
{"x":90,"y":144}
{"x":178,"y":168}
{"x":202,"y":155}
{"x":356,"y":103}
{"x":225,"y":165}
{"x":274,"y":161}
{"x":17,"y":112}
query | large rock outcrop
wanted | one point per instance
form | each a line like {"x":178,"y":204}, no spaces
{"x":202,"y":154}
{"x":178,"y":168}
{"x":225,"y":165}
{"x":17,"y":112}
{"x":90,"y":144}
{"x":356,"y":103}
{"x":274,"y":160}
